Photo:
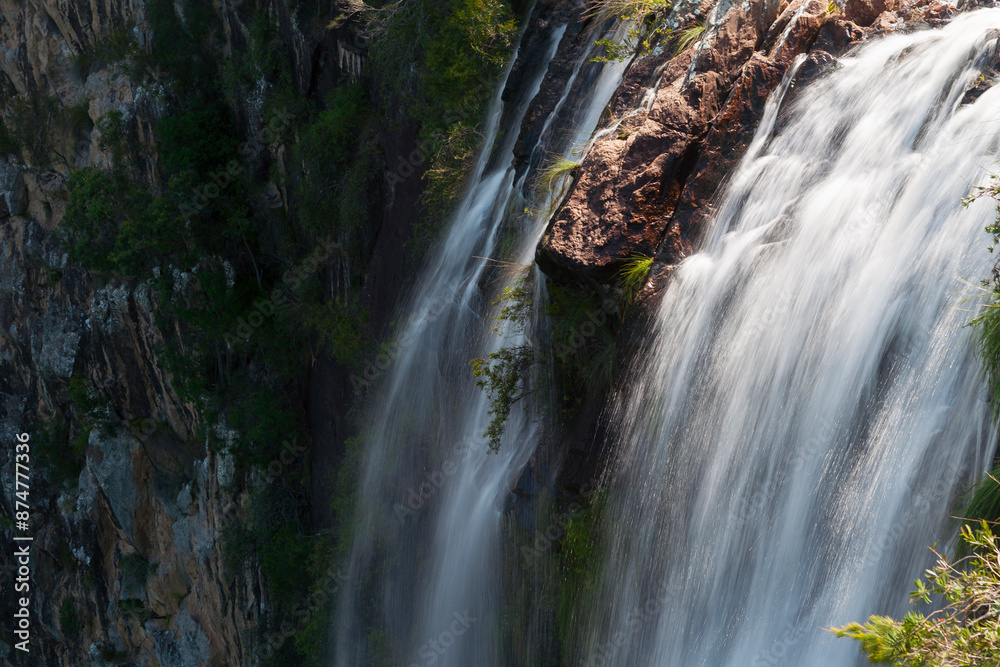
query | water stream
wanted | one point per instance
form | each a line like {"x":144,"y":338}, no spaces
{"x":808,"y":405}
{"x":425,"y":570}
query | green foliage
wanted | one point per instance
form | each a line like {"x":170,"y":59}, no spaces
{"x":633,"y":274}
{"x":987,"y":322}
{"x":111,"y":225}
{"x":199,"y":140}
{"x":689,"y":37}
{"x":336,"y":169}
{"x":134,"y":570}
{"x":69,"y":620}
{"x":504,"y":377}
{"x":457,"y":49}
{"x":30,"y":121}
{"x":116,"y":49}
{"x":966,"y":632}
{"x":516,"y":304}
{"x":54,"y":455}
{"x":263,"y":417}
{"x":340,"y":324}
{"x":504,"y":374}
{"x":135,"y":609}
{"x":186,"y":50}
{"x":643,"y":15}
{"x":583,"y":344}
{"x":580,"y":563}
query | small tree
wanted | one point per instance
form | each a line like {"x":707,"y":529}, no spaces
{"x":966,"y":632}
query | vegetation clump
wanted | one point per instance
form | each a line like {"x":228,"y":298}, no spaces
{"x":966,"y":631}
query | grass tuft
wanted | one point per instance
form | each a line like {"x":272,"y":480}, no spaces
{"x":633,"y":274}
{"x":689,"y":38}
{"x":552,"y":175}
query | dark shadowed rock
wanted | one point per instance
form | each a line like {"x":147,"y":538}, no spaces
{"x":837,"y":35}
{"x":817,"y":63}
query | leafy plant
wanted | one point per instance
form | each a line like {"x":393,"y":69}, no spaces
{"x":503,"y":376}
{"x":966,"y":631}
{"x":134,"y":570}
{"x":69,"y":620}
{"x":643,"y":15}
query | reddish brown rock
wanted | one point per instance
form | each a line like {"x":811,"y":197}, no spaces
{"x":731,"y":133}
{"x":866,"y":12}
{"x":886,"y":22}
{"x":802,"y":33}
{"x":837,"y":35}
{"x":630,"y":182}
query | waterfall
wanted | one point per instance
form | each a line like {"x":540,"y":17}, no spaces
{"x":423,"y":582}
{"x":795,"y":432}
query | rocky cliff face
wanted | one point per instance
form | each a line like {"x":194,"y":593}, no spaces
{"x":127,"y":563}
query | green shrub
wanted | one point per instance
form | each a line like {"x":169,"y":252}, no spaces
{"x":134,"y":570}
{"x":504,"y":378}
{"x":457,"y":49}
{"x":200,"y":140}
{"x":55,"y":455}
{"x":583,"y":343}
{"x":966,"y":631}
{"x":112,"y":225}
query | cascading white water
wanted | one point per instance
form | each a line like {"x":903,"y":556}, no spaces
{"x":809,"y":404}
{"x":425,"y":575}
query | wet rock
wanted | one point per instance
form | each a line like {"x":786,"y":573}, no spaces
{"x":816,"y":64}
{"x":630,"y":182}
{"x":837,"y":35}
{"x":801,"y":32}
{"x":731,"y":134}
{"x":865,"y":12}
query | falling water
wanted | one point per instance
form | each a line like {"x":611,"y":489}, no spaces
{"x":424,"y":576}
{"x":809,"y":405}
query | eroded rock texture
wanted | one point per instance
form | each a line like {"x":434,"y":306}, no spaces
{"x":647,"y":187}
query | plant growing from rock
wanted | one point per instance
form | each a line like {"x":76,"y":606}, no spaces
{"x":633,"y":274}
{"x":965,"y":632}
{"x":504,"y":374}
{"x":552,"y":175}
{"x":645,"y":30}
{"x":689,"y":37}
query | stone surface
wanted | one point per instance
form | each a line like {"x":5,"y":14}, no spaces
{"x":865,"y":12}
